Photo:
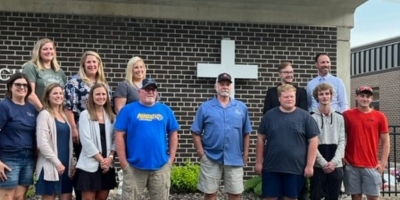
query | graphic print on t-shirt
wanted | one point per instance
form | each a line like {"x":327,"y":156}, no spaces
{"x":149,"y":117}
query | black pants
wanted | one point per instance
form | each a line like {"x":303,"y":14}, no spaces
{"x":77,"y":152}
{"x":326,"y":185}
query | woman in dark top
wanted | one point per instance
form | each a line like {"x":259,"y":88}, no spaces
{"x":55,"y":164}
{"x":95,"y":163}
{"x":17,"y":139}
{"x":128,"y":90}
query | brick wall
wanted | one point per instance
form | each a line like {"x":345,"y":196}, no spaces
{"x":171,"y":49}
{"x":389,"y":91}
{"x":389,"y":95}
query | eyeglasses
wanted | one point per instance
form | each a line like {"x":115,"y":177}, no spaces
{"x":287,"y":72}
{"x":19,"y":85}
{"x":150,"y":89}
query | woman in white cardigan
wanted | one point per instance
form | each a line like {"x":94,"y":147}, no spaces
{"x":95,"y":163}
{"x":54,"y":166}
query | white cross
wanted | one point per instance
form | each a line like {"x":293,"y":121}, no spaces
{"x":227,"y":66}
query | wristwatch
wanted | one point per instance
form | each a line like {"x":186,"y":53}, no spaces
{"x":111,"y":156}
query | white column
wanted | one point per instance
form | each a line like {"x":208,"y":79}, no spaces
{"x":343,"y":59}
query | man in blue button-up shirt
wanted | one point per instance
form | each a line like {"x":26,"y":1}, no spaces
{"x":221,"y":136}
{"x":339,"y":99}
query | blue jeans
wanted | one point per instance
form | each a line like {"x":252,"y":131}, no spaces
{"x":22,"y":165}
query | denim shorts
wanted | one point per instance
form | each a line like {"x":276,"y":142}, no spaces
{"x":22,"y":165}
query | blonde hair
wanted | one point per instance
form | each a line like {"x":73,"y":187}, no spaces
{"x":91,"y":106}
{"x":100,"y":78}
{"x":37,"y":60}
{"x":129,"y":68}
{"x":285,"y":88}
{"x":46,"y":100}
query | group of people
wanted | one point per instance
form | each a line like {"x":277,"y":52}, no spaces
{"x":63,"y":130}
{"x":46,"y":119}
{"x":324,"y":141}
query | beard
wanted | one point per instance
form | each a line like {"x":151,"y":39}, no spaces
{"x":224,"y":93}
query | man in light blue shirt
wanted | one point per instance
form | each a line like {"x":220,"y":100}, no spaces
{"x":339,"y":99}
{"x":221,"y":136}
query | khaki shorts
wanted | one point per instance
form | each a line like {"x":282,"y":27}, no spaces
{"x":135,"y":181}
{"x":358,"y":180}
{"x":211,"y":173}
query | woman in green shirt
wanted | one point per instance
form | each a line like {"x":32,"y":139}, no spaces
{"x":42,"y":70}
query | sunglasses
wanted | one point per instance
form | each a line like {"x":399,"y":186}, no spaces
{"x":150,"y":89}
{"x":19,"y":85}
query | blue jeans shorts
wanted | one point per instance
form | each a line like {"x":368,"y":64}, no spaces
{"x":22,"y":166}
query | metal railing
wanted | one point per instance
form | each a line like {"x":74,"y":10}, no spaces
{"x":391,"y":178}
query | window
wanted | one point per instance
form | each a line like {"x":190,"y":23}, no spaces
{"x":372,"y":60}
{"x":378,"y":59}
{"x":389,"y":57}
{"x":383,"y":58}
{"x":353,"y":68}
{"x":396,"y":56}
{"x":362,"y":62}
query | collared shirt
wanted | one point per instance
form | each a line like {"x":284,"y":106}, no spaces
{"x":222,"y":130}
{"x":339,"y":100}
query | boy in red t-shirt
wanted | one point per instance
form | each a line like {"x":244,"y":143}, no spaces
{"x":364,"y":127}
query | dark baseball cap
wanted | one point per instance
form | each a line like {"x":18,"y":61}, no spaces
{"x":149,"y":81}
{"x":224,"y":77}
{"x":364,"y":89}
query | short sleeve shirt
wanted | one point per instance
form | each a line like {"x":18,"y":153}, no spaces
{"x":43,"y":77}
{"x":287,"y":136}
{"x":17,"y":126}
{"x":147,"y":130}
{"x":222,"y":130}
{"x":128,"y":91}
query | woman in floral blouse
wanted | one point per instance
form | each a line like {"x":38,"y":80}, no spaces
{"x":91,"y":71}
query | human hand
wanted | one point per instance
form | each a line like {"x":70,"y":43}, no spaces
{"x":72,"y":170}
{"x":3,"y":168}
{"x":329,"y":167}
{"x":309,"y":171}
{"x":106,"y":162}
{"x":171,"y":161}
{"x":258,"y":168}
{"x":60,"y":169}
{"x":380,"y":167}
{"x":245,"y":159}
{"x":200,"y":154}
{"x":124,"y":164}
{"x":75,"y":135}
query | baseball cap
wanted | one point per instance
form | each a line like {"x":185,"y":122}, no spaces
{"x":224,"y":77}
{"x":149,"y":81}
{"x":364,"y":89}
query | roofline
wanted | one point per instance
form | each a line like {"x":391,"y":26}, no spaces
{"x":378,"y":43}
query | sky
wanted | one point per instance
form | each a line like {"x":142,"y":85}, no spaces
{"x":375,"y":20}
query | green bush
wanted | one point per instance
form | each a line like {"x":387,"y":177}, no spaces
{"x":184,"y":178}
{"x":31,"y":190}
{"x":254,"y":185}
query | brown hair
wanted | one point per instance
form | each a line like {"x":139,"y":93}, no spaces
{"x":91,"y":108}
{"x":320,"y":54}
{"x":284,"y":65}
{"x":321,"y":87}
{"x":11,"y":81}
{"x":46,"y":100}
